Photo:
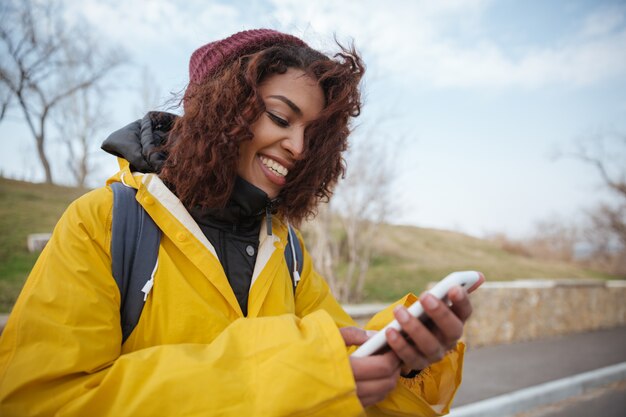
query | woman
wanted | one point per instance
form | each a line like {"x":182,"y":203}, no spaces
{"x":266,"y":119}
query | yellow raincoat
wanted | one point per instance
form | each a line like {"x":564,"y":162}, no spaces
{"x":192,"y":352}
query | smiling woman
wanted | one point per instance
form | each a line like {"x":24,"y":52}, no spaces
{"x":278,"y":140}
{"x":225,"y":327}
{"x":298,"y":88}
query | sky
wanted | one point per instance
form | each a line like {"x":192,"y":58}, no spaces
{"x":483,"y":95}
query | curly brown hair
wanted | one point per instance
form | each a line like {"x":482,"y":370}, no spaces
{"x":203,"y":150}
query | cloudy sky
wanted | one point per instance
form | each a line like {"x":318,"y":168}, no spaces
{"x":482,"y":93}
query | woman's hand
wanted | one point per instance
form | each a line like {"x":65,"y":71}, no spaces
{"x":423,"y":345}
{"x":375,"y":375}
{"x":416,"y":349}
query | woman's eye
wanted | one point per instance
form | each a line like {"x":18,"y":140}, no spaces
{"x":278,"y":120}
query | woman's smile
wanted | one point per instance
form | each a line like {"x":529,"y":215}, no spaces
{"x":273,"y":169}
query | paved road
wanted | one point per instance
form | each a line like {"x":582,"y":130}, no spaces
{"x":496,"y":370}
{"x":609,"y":401}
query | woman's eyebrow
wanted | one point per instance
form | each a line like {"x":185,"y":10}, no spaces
{"x":288,"y":102}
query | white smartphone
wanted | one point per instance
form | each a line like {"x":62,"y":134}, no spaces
{"x":467,"y":279}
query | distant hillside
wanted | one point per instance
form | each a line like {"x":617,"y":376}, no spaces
{"x":409,"y":257}
{"x":406,"y":258}
{"x":25,"y":208}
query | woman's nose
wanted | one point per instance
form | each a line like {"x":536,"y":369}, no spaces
{"x":294,"y":143}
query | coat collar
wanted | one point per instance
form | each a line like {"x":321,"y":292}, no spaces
{"x":178,"y":225}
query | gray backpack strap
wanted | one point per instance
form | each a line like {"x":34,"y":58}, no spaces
{"x":293,"y":253}
{"x":135,"y":242}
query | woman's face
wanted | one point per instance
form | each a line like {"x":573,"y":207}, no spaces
{"x":292,"y":101}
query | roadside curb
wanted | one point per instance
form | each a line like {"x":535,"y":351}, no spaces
{"x":543,"y":394}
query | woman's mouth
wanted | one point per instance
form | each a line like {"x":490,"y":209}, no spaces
{"x":274,"y":167}
{"x":274,"y":171}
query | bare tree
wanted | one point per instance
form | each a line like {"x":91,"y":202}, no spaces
{"x":44,"y":62}
{"x":5,"y":100}
{"x":605,"y":237}
{"x":554,"y":239}
{"x":600,"y":241}
{"x":80,"y":120}
{"x":324,"y":239}
{"x":606,"y":152}
{"x":345,"y":230}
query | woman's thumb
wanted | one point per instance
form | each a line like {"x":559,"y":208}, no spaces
{"x":353,"y":335}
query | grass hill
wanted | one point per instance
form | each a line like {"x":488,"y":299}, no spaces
{"x":406,"y":257}
{"x":25,"y":208}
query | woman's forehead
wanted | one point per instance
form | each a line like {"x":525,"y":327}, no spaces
{"x":296,"y":90}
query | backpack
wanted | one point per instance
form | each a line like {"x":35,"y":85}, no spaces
{"x":135,"y":242}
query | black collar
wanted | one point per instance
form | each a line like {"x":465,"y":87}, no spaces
{"x":243,"y":211}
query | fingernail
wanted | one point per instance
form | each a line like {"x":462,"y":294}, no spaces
{"x":370,"y":333}
{"x":455,"y":293}
{"x":402,"y":314}
{"x":428,"y":301}
{"x":391,"y":335}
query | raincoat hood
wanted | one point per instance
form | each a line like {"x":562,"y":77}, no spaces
{"x":137,"y":142}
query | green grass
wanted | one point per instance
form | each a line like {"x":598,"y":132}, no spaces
{"x":405,"y":258}
{"x":25,"y":208}
{"x":408,"y":258}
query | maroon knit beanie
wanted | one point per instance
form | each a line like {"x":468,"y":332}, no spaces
{"x":208,"y":58}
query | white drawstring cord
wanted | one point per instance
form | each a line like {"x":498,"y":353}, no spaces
{"x":122,"y":180}
{"x":148,"y":286}
{"x":291,"y":236}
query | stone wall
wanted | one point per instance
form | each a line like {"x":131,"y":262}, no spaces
{"x":506,"y":312}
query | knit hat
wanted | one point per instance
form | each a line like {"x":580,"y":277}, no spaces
{"x":208,"y":58}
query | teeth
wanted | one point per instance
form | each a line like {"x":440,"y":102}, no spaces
{"x":277,"y":168}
